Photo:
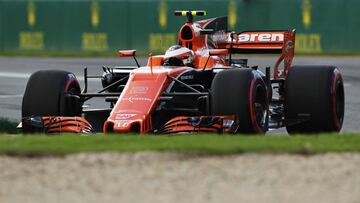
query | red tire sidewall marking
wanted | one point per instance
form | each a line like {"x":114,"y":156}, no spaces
{"x":252,"y":109}
{"x":334,"y":90}
{"x":71,"y":79}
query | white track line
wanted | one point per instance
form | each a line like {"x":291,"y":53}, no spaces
{"x":14,"y":75}
{"x":11,"y":96}
{"x":27,"y":76}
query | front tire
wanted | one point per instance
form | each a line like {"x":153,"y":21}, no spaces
{"x":52,"y":93}
{"x":242,"y":93}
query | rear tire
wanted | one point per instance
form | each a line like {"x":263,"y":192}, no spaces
{"x":52,"y":93}
{"x":318,"y":93}
{"x":241,"y":92}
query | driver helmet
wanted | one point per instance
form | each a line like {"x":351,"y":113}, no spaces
{"x":177,"y":56}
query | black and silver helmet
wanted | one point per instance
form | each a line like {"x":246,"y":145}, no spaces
{"x":177,"y":56}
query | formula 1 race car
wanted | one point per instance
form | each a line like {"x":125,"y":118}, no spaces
{"x":197,"y":86}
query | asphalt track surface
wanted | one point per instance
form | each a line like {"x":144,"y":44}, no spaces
{"x":15,"y":71}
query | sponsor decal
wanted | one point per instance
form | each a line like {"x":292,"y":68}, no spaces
{"x":122,"y":123}
{"x":139,"y":90}
{"x":31,"y":40}
{"x":228,"y":123}
{"x":306,"y":13}
{"x":71,"y":76}
{"x":187,"y":77}
{"x":260,"y":37}
{"x":132,"y":99}
{"x":215,"y":40}
{"x":232,"y":13}
{"x":95,"y":13}
{"x":161,"y":41}
{"x":219,"y":37}
{"x":308,"y":43}
{"x":31,"y":13}
{"x":124,"y":116}
{"x":94,"y":41}
{"x":163,"y":14}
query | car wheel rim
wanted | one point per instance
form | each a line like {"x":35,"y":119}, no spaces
{"x":260,"y":107}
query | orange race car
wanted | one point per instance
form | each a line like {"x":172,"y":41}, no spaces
{"x":196,"y":86}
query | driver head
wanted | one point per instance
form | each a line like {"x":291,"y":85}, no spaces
{"x":177,"y":55}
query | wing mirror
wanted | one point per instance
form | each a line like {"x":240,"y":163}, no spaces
{"x":126,"y":53}
{"x":218,"y":52}
{"x":129,"y":53}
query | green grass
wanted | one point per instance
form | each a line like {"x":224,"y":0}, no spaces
{"x":41,"y":145}
{"x":7,"y":126}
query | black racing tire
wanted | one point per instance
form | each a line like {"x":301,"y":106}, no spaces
{"x":52,"y":93}
{"x":316,"y":92}
{"x":241,"y":92}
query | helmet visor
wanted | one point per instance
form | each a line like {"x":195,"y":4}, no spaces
{"x":177,"y":53}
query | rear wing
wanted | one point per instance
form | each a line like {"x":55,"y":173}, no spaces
{"x":265,"y":42}
{"x":259,"y":41}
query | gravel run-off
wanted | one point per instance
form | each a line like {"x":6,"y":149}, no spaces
{"x":170,"y":177}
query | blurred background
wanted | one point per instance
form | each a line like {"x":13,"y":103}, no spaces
{"x":104,"y":26}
